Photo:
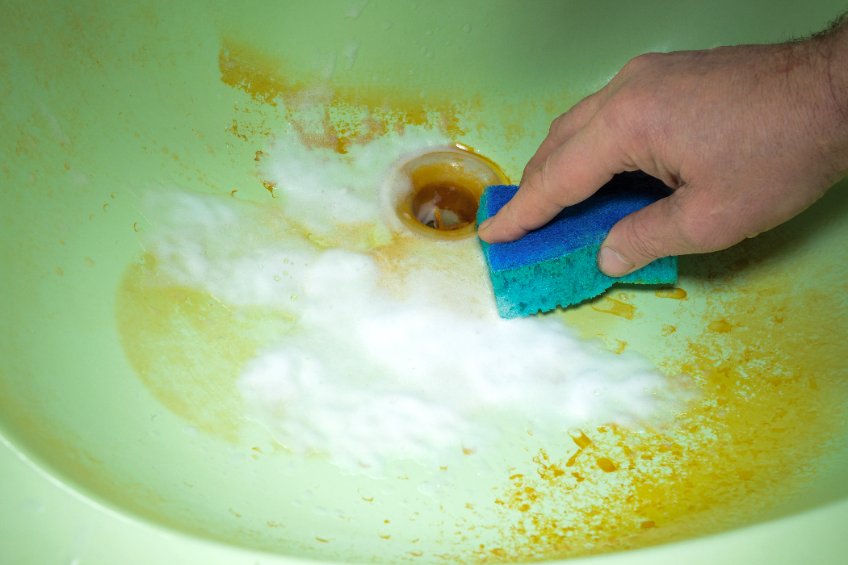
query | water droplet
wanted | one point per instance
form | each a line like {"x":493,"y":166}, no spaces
{"x":466,"y":28}
{"x":355,"y":10}
{"x":32,"y":506}
{"x":349,"y":53}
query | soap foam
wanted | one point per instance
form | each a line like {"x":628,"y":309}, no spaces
{"x":395,"y":350}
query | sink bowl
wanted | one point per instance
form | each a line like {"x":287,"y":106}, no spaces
{"x":130,"y":391}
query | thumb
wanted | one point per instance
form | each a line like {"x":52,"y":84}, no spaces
{"x":569,"y":174}
{"x":647,"y":234}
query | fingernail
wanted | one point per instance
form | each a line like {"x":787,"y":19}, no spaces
{"x":612,"y":263}
{"x":485,"y":224}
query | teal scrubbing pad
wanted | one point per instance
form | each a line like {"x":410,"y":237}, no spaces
{"x":556,"y":265}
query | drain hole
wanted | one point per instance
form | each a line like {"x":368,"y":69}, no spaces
{"x":443,"y":189}
{"x":444,"y":207}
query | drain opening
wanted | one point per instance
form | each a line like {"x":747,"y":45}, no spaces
{"x":444,"y":207}
{"x":443,"y":190}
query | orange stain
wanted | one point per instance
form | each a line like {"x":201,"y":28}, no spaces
{"x":606,"y":465}
{"x":621,"y":484}
{"x":580,"y":439}
{"x":673,"y":293}
{"x":720,"y":326}
{"x":615,"y":307}
{"x":349,"y":115}
{"x":668,"y":329}
{"x":269,"y":186}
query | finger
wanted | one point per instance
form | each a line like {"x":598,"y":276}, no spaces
{"x":673,"y":225}
{"x":564,"y":128}
{"x":569,"y":175}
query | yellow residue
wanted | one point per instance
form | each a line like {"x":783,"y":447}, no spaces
{"x":580,"y":439}
{"x":615,"y":307}
{"x":269,"y":186}
{"x":348,"y":115}
{"x":187,"y":348}
{"x":668,"y":329}
{"x":720,"y":326}
{"x":673,"y":293}
{"x":606,"y":465}
{"x":767,"y":407}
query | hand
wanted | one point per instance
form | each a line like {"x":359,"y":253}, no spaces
{"x":746,"y":136}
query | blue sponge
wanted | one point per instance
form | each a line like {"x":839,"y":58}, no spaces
{"x":556,"y":265}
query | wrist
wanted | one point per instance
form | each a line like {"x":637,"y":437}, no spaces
{"x":831,"y":47}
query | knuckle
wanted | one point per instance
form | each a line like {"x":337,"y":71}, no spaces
{"x":518,"y":221}
{"x":557,"y":124}
{"x":632,"y":105}
{"x":706,"y":228}
{"x":544,"y":177}
{"x":621,"y":114}
{"x":550,"y":183}
{"x":641,"y":241}
{"x":629,"y":108}
{"x":530,"y":169}
{"x":695,"y":233}
{"x":639,"y":63}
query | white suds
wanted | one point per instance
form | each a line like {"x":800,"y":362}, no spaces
{"x":395,"y":350}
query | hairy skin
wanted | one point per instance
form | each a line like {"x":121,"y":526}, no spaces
{"x":747,"y":136}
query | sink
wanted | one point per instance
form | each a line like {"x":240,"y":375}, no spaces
{"x":130,"y":391}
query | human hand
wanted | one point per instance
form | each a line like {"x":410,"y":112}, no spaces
{"x":747,"y":137}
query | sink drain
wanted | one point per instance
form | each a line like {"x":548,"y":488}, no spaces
{"x":437,"y":193}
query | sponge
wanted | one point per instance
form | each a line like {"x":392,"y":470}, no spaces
{"x":556,"y":265}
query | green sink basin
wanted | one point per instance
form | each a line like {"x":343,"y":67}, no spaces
{"x":130,"y":390}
